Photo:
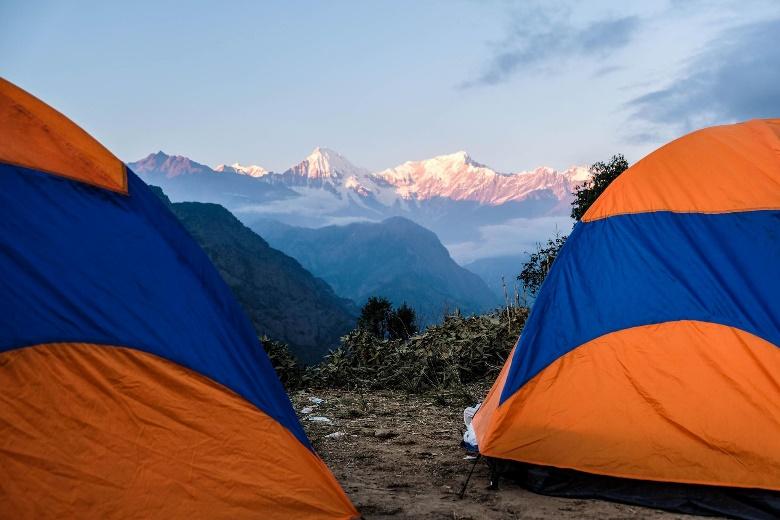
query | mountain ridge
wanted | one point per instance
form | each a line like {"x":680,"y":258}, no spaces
{"x":454,"y":176}
{"x":251,"y":170}
{"x":461,"y":200}
{"x":282,"y":299}
{"x":395,"y":258}
{"x":168,"y":165}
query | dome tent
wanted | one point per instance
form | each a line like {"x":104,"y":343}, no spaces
{"x":132,"y":383}
{"x":652,"y":353}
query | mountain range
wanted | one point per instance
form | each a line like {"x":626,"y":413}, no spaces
{"x":283,"y":300}
{"x":453,"y":195}
{"x":299,"y":285}
{"x":391,"y":233}
{"x":184,"y":180}
{"x":394,"y":258}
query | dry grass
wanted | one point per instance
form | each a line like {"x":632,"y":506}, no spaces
{"x":450,"y":356}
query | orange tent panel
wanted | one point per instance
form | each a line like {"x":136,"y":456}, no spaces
{"x":89,"y":430}
{"x":716,"y":170}
{"x":621,"y":405}
{"x":34,"y":135}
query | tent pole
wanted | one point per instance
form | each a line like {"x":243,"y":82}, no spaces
{"x":465,"y":484}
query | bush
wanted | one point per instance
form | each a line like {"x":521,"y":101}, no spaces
{"x":378,"y":318}
{"x":285,"y":363}
{"x":402,"y":322}
{"x":603,"y":175}
{"x":457,"y":352}
{"x":373,"y":316}
{"x":539,"y":263}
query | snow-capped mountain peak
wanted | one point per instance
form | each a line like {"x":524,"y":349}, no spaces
{"x":251,"y":170}
{"x":455,"y":176}
{"x":324,"y":163}
{"x":459,"y":157}
{"x":458,"y":177}
{"x":439,"y":168}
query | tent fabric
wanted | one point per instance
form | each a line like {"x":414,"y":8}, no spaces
{"x":653,"y":268}
{"x":127,"y":368}
{"x":652,"y":350}
{"x":639,"y":418}
{"x":92,"y":266}
{"x":746,"y":504}
{"x":483,"y":419}
{"x":34,"y":135}
{"x":119,"y":432}
{"x":715,"y":170}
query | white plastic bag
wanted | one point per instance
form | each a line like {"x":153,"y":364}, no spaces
{"x":470,"y":437}
{"x":469,"y":412}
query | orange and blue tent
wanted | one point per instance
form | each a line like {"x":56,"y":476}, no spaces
{"x":652,"y":352}
{"x":131,"y":383}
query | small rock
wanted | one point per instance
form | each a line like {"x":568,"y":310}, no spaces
{"x":335,"y":435}
{"x":307,"y":409}
{"x":385,"y":434}
{"x":316,"y":400}
{"x":317,"y":418}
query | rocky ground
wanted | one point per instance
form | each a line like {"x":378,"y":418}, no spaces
{"x":397,"y":456}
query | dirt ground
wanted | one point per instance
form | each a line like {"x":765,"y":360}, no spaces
{"x":398,"y":456}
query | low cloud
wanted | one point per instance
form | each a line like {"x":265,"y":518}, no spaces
{"x":736,"y":77}
{"x":513,"y":237}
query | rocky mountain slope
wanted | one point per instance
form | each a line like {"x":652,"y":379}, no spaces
{"x":283,"y":300}
{"x":395,"y":258}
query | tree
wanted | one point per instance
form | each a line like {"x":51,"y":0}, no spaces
{"x":538,"y":265}
{"x":602,"y":176}
{"x":378,"y":318}
{"x":402,"y":322}
{"x":374,"y":315}
{"x":284,"y":362}
{"x":540,"y":262}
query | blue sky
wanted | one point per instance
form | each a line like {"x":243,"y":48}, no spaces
{"x":517,"y":84}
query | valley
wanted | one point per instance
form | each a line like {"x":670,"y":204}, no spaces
{"x":404,"y":233}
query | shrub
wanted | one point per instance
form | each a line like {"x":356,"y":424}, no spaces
{"x":285,"y":363}
{"x":457,"y":352}
{"x":539,"y":263}
{"x":402,"y":322}
{"x":378,"y":318}
{"x":603,"y":175}
{"x":373,"y":316}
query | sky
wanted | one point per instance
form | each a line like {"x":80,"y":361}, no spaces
{"x":516,"y":84}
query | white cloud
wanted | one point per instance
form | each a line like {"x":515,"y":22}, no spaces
{"x":513,"y":237}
